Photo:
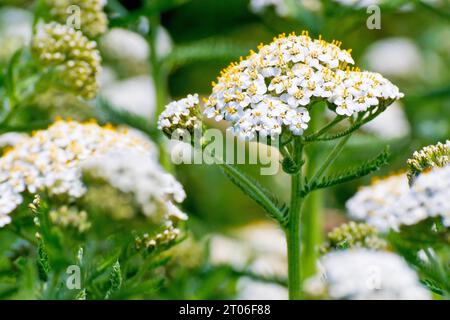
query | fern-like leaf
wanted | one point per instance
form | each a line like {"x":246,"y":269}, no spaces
{"x":268,"y":201}
{"x":352,"y":174}
{"x":353,"y":127}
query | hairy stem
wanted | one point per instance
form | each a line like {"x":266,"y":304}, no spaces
{"x":312,"y":225}
{"x":294,"y":228}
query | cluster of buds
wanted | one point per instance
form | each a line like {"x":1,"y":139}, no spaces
{"x":163,"y":238}
{"x":427,"y":158}
{"x":354,"y":235}
{"x":69,"y":217}
{"x":93,"y":20}
{"x":103,"y":197}
{"x":183,"y":114}
{"x":73,"y":56}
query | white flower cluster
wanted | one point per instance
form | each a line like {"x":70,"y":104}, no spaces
{"x":272,"y":89}
{"x":428,"y":197}
{"x":77,"y":57}
{"x":372,"y":203}
{"x":181,"y":114}
{"x":363,"y":274}
{"x":10,"y":139}
{"x":437,"y":155}
{"x":391,"y":203}
{"x":50,"y":159}
{"x":136,"y":173}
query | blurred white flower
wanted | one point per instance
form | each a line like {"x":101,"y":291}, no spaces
{"x":259,"y":248}
{"x":359,"y":3}
{"x":15,"y":30}
{"x":140,"y":175}
{"x":391,"y":124}
{"x":10,"y":139}
{"x":225,"y":250}
{"x":106,"y":76}
{"x":136,"y":95}
{"x":398,"y":57}
{"x":390,"y":203}
{"x":362,"y":274}
{"x":125,"y":45}
{"x":249,"y":289}
{"x":258,"y":6}
{"x":50,"y":159}
{"x":371,"y":203}
{"x":428,"y":197}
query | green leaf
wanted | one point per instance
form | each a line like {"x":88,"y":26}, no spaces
{"x":358,"y":124}
{"x":351,"y":174}
{"x":268,"y":201}
{"x":205,"y":50}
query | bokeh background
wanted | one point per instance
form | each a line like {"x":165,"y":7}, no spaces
{"x":197,"y":39}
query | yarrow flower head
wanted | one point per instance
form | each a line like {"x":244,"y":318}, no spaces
{"x":371,"y":203}
{"x":93,"y":20}
{"x":428,"y":198}
{"x":74,"y":57}
{"x":50,"y":159}
{"x":392,"y":204}
{"x":362,"y":274}
{"x":429,"y":157}
{"x":182,"y":114}
{"x":273,"y":88}
{"x":354,"y":235}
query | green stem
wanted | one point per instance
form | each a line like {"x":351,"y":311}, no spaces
{"x":294,"y":229}
{"x":158,"y":74}
{"x":159,"y":77}
{"x":312,"y":226}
